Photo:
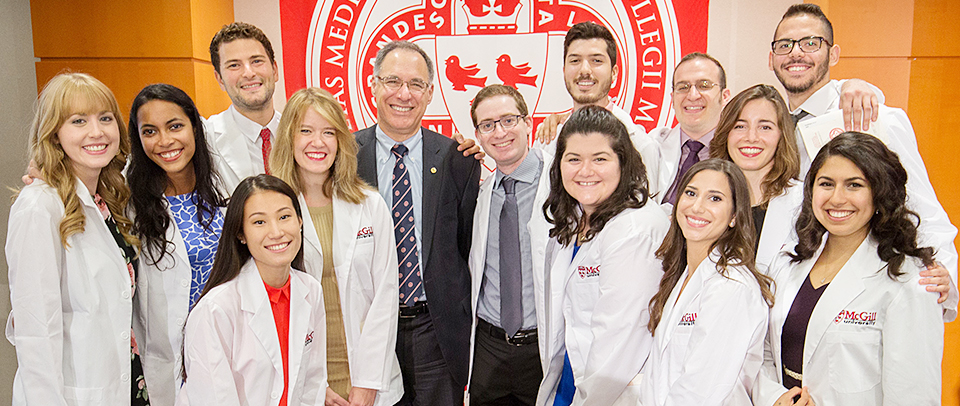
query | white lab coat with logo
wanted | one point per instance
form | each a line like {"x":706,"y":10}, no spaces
{"x":233,"y":353}
{"x":849,"y":359}
{"x":365,"y":262}
{"x":72,"y":306}
{"x":709,"y":343}
{"x":538,"y":229}
{"x":595,"y":309}
{"x":160,"y":310}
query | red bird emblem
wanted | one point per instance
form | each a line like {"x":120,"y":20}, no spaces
{"x":514,"y":75}
{"x":461,"y":77}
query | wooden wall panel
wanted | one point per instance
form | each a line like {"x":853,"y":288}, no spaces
{"x":936,"y":31}
{"x":891,"y":75}
{"x":212,"y":15}
{"x":210,"y":98}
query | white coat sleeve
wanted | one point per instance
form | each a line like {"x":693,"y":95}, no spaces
{"x":35,"y":259}
{"x":207,"y":346}
{"x":912,"y":348}
{"x":726,"y":339}
{"x":935,"y":229}
{"x":629,"y":277}
{"x":378,"y":336}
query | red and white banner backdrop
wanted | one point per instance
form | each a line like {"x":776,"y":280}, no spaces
{"x":332,"y":44}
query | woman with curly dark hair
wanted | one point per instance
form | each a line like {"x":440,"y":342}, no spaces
{"x":851,"y":324}
{"x":601,"y":269}
{"x":709,"y":317}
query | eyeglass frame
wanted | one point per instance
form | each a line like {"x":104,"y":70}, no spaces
{"x":518,"y":117}
{"x":409,"y":83}
{"x":794,"y":42}
{"x":695,"y":84}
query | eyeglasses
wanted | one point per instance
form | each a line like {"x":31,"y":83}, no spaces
{"x":415,"y":86}
{"x":506,"y":122}
{"x":701,"y":85}
{"x":807,"y":45}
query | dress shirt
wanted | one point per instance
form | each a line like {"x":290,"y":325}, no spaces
{"x":414,"y":160}
{"x":704,"y":154}
{"x":251,"y":132}
{"x":527,"y":176}
{"x":280,"y":305}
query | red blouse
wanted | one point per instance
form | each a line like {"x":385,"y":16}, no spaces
{"x":280,"y":304}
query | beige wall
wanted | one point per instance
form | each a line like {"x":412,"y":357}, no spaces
{"x":19,"y":92}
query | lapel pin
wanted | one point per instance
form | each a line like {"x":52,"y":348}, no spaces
{"x":433,"y":169}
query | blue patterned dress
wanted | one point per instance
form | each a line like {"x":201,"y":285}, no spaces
{"x":201,"y":243}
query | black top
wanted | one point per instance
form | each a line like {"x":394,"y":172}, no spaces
{"x":759,"y":214}
{"x":795,"y":330}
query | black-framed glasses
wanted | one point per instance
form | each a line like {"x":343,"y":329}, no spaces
{"x":701,"y":85}
{"x":415,"y":86}
{"x":506,"y":122}
{"x":807,"y":44}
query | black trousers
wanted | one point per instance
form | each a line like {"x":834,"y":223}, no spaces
{"x":427,"y":380}
{"x":503,"y":373}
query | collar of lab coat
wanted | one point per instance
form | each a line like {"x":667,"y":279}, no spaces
{"x":254,"y":302}
{"x":346,"y":222}
{"x":668,"y":320}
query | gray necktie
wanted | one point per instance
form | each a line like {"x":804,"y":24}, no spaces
{"x":799,"y":116}
{"x":511,"y":308}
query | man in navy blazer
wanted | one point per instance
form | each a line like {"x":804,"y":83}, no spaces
{"x":434,"y":325}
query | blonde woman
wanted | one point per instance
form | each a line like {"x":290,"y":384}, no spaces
{"x":349,"y":245}
{"x":69,"y":251}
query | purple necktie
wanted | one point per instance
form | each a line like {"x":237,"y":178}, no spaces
{"x":693,"y":157}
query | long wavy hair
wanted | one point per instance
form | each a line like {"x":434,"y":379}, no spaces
{"x":562,"y":210}
{"x":893,"y":225}
{"x":147,"y":180}
{"x":736,"y":245}
{"x":64,"y":95}
{"x":343,"y":181}
{"x":786,"y":159}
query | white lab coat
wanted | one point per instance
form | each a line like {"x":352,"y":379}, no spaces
{"x":778,"y":231}
{"x":537,"y":227}
{"x":160,"y":310}
{"x":72,"y":306}
{"x":646,"y":145}
{"x":231,"y":146}
{"x":233,"y":353}
{"x":891,"y":360}
{"x":595,"y":309}
{"x":365,"y":262}
{"x":709,"y":343}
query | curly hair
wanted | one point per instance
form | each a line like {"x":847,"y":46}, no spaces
{"x":147,"y":180}
{"x":344,"y":183}
{"x":736,"y":245}
{"x":893,"y":225}
{"x":786,"y":159}
{"x":64,"y":95}
{"x":562,"y":210}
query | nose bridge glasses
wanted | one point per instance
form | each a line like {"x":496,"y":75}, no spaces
{"x":393,"y":83}
{"x":506,"y":122}
{"x":701,"y":85}
{"x":807,"y":44}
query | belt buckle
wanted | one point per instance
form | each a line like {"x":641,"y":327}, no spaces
{"x":404,"y":316}
{"x":511,"y":342}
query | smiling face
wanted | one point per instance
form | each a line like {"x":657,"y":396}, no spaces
{"x":315,"y":146}
{"x":247,"y":75}
{"x":698,"y":112}
{"x":752,"y":141}
{"x":590,"y":169}
{"x":399,"y":112}
{"x":167,"y":136}
{"x":842,"y":199}
{"x":588,"y":72}
{"x":798,"y":71}
{"x":271,"y":231}
{"x":705,"y":209}
{"x":90,"y":139}
{"x":507,"y":147}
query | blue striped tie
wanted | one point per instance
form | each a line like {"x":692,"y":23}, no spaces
{"x":411,"y":281}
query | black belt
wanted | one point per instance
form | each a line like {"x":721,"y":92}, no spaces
{"x":523,"y":337}
{"x":410,"y":312}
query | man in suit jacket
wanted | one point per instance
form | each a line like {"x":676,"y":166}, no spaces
{"x":421,"y":175}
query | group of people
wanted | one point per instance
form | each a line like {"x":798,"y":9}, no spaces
{"x":180,"y":260}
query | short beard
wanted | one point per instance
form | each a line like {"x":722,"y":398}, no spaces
{"x":822,"y":71}
{"x":586,"y":99}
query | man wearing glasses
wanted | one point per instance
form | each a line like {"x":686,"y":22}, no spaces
{"x":432,"y":190}
{"x":507,"y":257}
{"x":699,"y":94}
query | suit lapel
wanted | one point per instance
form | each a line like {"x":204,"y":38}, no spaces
{"x":367,"y":155}
{"x":432,"y":158}
{"x":481,"y":225}
{"x":255,"y":303}
{"x":670,"y":161}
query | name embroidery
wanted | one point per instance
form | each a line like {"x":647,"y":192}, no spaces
{"x":365,"y":232}
{"x":309,"y":339}
{"x":688,"y":319}
{"x":855,"y":317}
{"x":588,"y":271}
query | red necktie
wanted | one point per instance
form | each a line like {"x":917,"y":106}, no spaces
{"x":265,"y":136}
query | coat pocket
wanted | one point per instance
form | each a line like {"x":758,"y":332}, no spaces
{"x":854,"y":360}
